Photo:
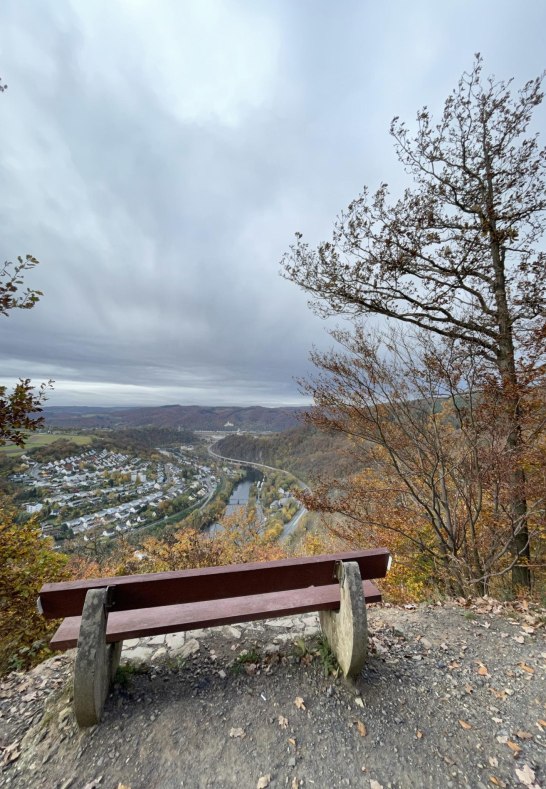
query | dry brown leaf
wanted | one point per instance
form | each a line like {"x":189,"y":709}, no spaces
{"x":525,"y":667}
{"x":469,"y":688}
{"x":483,"y":672}
{"x":299,"y":702}
{"x":11,"y":753}
{"x":465,"y":725}
{"x":361,"y":728}
{"x":514,"y":747}
{"x":519,"y":639}
{"x":541,"y":724}
{"x":496,"y":781}
{"x":283,"y":722}
{"x":263,"y":781}
{"x":295,"y":783}
{"x":523,"y":735}
{"x":493,"y":761}
{"x":419,"y":734}
{"x":499,"y":694}
{"x":123,"y":786}
{"x":237,"y":732}
{"x":292,"y":742}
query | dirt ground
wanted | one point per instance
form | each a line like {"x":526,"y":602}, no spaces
{"x":452,"y":696}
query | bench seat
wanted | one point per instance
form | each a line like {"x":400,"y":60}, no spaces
{"x":154,"y":621}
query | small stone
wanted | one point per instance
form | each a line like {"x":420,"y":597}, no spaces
{"x":175,"y":641}
{"x":191,"y":647}
{"x":156,"y":640}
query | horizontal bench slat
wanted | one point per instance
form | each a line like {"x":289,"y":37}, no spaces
{"x":191,"y":616}
{"x":209,"y":583}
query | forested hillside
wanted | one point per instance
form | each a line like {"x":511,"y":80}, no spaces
{"x":306,"y":452}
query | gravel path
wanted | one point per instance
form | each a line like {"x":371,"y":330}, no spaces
{"x":452,"y":696}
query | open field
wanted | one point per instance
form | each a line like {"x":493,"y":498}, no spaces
{"x":42,"y":439}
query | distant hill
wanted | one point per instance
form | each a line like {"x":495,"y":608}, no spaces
{"x":189,"y":417}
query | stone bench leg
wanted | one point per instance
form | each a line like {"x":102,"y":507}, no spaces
{"x":347,"y":629}
{"x":96,"y":661}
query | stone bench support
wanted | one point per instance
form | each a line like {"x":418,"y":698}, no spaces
{"x":96,"y":661}
{"x":347,"y":629}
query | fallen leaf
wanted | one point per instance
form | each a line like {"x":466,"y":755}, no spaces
{"x":361,"y":728}
{"x":465,"y":725}
{"x":419,"y":734}
{"x":518,"y":639}
{"x":541,"y":724}
{"x":263,"y":781}
{"x":526,"y":775}
{"x":11,"y":753}
{"x":292,"y":742}
{"x":526,"y":668}
{"x":514,"y":747}
{"x":376,"y":784}
{"x":237,"y":732}
{"x":283,"y":722}
{"x":483,"y":672}
{"x":502,"y":738}
{"x":523,"y":735}
{"x":359,"y":702}
{"x":469,"y":688}
{"x":295,"y":783}
{"x":493,"y":761}
{"x":299,"y":702}
{"x":496,"y":781}
{"x":123,"y":786}
{"x":453,"y":665}
{"x":499,"y":694}
{"x":528,"y":630}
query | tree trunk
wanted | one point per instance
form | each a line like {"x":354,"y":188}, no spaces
{"x":510,"y":392}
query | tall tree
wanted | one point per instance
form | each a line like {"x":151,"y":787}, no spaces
{"x":459,"y":253}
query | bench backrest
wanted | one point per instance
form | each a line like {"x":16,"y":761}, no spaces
{"x":209,"y":583}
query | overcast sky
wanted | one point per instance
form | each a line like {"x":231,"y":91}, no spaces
{"x":158,"y":156}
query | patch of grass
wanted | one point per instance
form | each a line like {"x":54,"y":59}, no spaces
{"x":301,"y":647}
{"x":27,"y":655}
{"x":327,"y":657}
{"x":126,"y":671}
{"x":34,"y":440}
{"x":470,"y":615}
{"x":246,"y":657}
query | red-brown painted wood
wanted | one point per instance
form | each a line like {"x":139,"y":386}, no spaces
{"x":209,"y":583}
{"x":191,"y":616}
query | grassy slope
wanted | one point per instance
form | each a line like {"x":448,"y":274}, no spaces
{"x":41,"y":440}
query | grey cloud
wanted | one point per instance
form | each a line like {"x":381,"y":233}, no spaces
{"x":158,"y":162}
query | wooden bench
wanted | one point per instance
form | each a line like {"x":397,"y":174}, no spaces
{"x":100,"y":613}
